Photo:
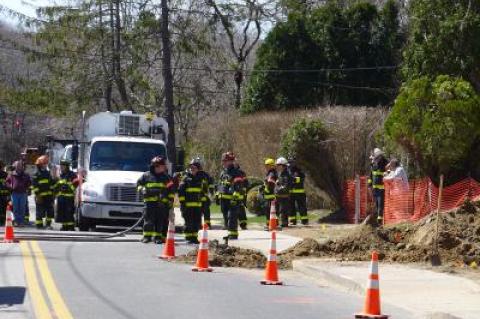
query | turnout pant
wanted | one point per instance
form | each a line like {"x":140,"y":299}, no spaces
{"x":379,"y":198}
{"x":193,"y":221}
{"x":298,"y":203}
{"x":242,"y":216}
{"x":3,"y":209}
{"x":224,"y":207}
{"x":283,"y":210}
{"x":44,"y":209}
{"x":206,"y":211}
{"x":155,"y":222}
{"x":230,"y":214}
{"x":64,"y":213}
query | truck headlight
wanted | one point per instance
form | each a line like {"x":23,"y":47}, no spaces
{"x":90,"y":193}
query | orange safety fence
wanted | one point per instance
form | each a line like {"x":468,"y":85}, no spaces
{"x":408,"y":202}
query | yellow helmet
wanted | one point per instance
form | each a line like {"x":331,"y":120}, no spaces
{"x":269,"y":161}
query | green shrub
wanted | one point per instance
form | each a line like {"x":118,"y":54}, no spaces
{"x":308,"y":141}
{"x":438,"y":122}
{"x":254,"y":206}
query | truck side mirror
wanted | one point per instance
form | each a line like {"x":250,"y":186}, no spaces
{"x":75,"y":155}
{"x":180,"y":160}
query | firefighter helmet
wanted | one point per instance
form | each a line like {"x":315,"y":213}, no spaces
{"x":269,"y":161}
{"x":42,"y":160}
{"x":281,"y":161}
{"x":228,"y":156}
{"x":158,"y":160}
{"x":196,"y":161}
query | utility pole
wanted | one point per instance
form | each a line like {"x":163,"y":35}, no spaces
{"x":168,"y":84}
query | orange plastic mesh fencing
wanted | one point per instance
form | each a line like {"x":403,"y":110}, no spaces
{"x":409,"y":202}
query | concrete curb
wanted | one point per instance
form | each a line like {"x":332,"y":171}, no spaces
{"x":339,"y":282}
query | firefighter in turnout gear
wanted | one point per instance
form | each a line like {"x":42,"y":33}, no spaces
{"x":191,"y":191}
{"x":375,"y":182}
{"x":267,"y":190}
{"x":65,"y":193}
{"x":208,"y":187}
{"x":282,"y":190}
{"x":242,"y":197}
{"x":4,"y":193}
{"x":157,"y":189}
{"x":298,"y":199}
{"x":229,"y":193}
{"x":43,"y":187}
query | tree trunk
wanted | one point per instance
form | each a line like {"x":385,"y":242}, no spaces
{"x":117,"y":55}
{"x":168,"y":84}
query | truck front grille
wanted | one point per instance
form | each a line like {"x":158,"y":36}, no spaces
{"x":123,"y":193}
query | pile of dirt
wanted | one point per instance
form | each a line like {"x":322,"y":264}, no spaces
{"x":221,"y":255}
{"x":458,"y":241}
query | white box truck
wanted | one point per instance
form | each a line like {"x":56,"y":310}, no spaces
{"x":114,"y":151}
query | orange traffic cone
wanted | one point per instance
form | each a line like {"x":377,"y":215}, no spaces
{"x":271,"y":269}
{"x":9,"y":234}
{"x":169,"y":247}
{"x":273,"y":224}
{"x":202,"y":257}
{"x":372,"y":301}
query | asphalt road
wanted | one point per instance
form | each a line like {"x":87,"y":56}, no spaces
{"x":126,"y":280}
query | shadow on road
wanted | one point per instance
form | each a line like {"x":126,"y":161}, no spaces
{"x":11,"y":296}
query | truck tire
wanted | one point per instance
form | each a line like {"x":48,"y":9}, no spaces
{"x":84,"y":223}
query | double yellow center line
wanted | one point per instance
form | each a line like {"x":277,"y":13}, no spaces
{"x":44,"y":294}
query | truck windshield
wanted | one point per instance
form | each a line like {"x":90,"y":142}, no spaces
{"x":123,"y":156}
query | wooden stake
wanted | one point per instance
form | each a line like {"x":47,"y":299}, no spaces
{"x":436,"y":256}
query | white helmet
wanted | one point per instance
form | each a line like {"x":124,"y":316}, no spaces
{"x":281,"y":161}
{"x":377,"y":152}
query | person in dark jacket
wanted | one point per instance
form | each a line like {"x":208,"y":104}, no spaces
{"x":267,"y":190}
{"x":157,"y":188}
{"x":283,"y":186}
{"x":375,"y":182}
{"x":298,"y":198}
{"x":43,"y":186}
{"x":19,"y":182}
{"x":65,"y":188}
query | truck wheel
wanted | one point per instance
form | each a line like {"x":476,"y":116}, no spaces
{"x":83,"y":223}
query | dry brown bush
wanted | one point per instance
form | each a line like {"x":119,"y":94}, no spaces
{"x":257,"y":136}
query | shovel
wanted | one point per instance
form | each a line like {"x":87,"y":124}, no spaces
{"x":435,"y":256}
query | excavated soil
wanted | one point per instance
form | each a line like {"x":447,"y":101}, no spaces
{"x":458,"y":244}
{"x":458,"y":241}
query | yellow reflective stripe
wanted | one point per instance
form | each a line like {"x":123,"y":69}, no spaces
{"x":152,"y":185}
{"x":193,"y":204}
{"x":298,"y":180}
{"x":171,"y":195}
{"x":45,"y":194}
{"x":297,"y":191}
{"x":43,"y":181}
{"x":181,"y":198}
{"x":148,"y":233}
{"x":204,"y":199}
{"x":233,"y":232}
{"x":377,"y":173}
{"x":193,"y":190}
{"x":66,"y":194}
{"x":151,"y":199}
{"x":378,"y":186}
{"x":269,"y":196}
{"x":225,"y":196}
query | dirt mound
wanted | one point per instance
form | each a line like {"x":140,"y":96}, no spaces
{"x":221,"y":255}
{"x":458,"y":241}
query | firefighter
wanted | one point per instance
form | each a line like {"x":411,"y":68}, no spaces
{"x":266,"y":191}
{"x":229,"y":192}
{"x":242,"y":197}
{"x":282,"y":190}
{"x":65,"y":194}
{"x":208,"y":187}
{"x":298,"y":199}
{"x":375,"y":182}
{"x":191,"y":191}
{"x":42,"y":187}
{"x":4,"y":193}
{"x":157,"y":189}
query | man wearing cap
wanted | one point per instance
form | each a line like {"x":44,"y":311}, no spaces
{"x":4,"y":193}
{"x":65,"y":193}
{"x":375,"y":182}
{"x":190,"y":194}
{"x":283,"y":186}
{"x":157,"y":187}
{"x":229,"y":192}
{"x":267,"y":190}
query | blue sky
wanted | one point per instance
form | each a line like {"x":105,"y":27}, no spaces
{"x":24,"y":6}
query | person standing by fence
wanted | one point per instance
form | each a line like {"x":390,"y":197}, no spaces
{"x":375,"y":182}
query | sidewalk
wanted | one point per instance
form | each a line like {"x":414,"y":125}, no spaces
{"x":256,"y":239}
{"x":428,"y":294}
